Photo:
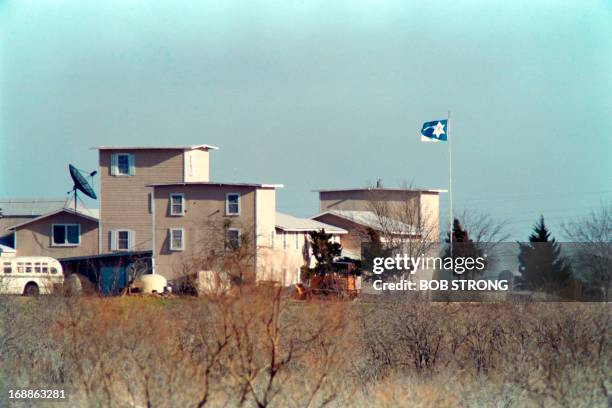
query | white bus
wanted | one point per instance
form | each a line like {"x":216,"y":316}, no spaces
{"x":30,"y":275}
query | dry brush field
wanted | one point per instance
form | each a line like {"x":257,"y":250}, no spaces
{"x":259,"y":349}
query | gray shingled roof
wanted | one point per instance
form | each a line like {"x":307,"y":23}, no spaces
{"x":16,"y":207}
{"x":288,"y":222}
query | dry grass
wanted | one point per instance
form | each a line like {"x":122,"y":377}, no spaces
{"x":262,"y":350}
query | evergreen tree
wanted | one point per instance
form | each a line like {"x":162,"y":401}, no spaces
{"x":324,"y":251}
{"x":463,"y":247}
{"x":540,"y":262}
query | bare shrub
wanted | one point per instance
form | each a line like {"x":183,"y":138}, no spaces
{"x":261,"y":349}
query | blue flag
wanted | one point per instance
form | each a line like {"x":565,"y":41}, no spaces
{"x":436,"y":131}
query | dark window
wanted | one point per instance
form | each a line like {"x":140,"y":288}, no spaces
{"x":176,"y":204}
{"x":233,"y":204}
{"x":66,"y":234}
{"x":73,"y":234}
{"x":123,"y":164}
{"x":59,"y":234}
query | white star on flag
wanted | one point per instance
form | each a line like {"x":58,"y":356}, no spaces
{"x":438,"y":130}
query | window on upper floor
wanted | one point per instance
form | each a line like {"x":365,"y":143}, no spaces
{"x":122,"y":164}
{"x":177,"y":204}
{"x":232,"y":204}
{"x":66,"y":234}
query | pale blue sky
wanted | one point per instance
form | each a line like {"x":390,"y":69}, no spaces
{"x":320,"y":94}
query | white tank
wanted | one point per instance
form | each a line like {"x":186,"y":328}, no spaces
{"x":151,"y":283}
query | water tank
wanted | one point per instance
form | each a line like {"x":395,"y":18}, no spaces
{"x":151,"y":283}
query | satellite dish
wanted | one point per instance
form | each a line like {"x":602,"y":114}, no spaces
{"x":81,"y":183}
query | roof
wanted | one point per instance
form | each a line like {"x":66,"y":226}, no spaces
{"x":183,"y":147}
{"x":122,"y":254}
{"x":371,"y":220}
{"x":92,"y":214}
{"x":17,"y":207}
{"x":290,"y":223}
{"x":210,"y":183}
{"x":417,"y":190}
{"x":7,"y":249}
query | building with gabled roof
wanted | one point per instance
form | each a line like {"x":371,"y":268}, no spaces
{"x":397,"y":212}
{"x":16,"y":210}
{"x":59,"y":234}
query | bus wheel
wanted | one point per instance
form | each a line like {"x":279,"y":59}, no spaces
{"x":31,"y":289}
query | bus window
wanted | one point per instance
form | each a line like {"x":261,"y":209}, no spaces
{"x":37,"y":268}
{"x":53,"y":270}
{"x":7,"y":267}
{"x":45,"y":268}
{"x":20,"y":267}
{"x":28,"y":267}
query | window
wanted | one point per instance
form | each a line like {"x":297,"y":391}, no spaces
{"x":7,"y":267}
{"x":45,"y":268}
{"x":232,"y":242}
{"x":66,"y":234}
{"x":122,"y":164}
{"x":20,"y":267}
{"x":177,"y":239}
{"x":123,"y":240}
{"x":28,"y":267}
{"x":177,"y":204}
{"x":37,"y":267}
{"x":232,"y":204}
{"x":53,"y":270}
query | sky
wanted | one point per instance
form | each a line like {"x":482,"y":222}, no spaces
{"x":320,"y":94}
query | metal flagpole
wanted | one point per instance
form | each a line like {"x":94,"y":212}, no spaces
{"x":450,"y":180}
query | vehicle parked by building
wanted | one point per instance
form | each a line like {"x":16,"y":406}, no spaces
{"x":30,"y":275}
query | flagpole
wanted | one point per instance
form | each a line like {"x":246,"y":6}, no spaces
{"x":450,"y":181}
